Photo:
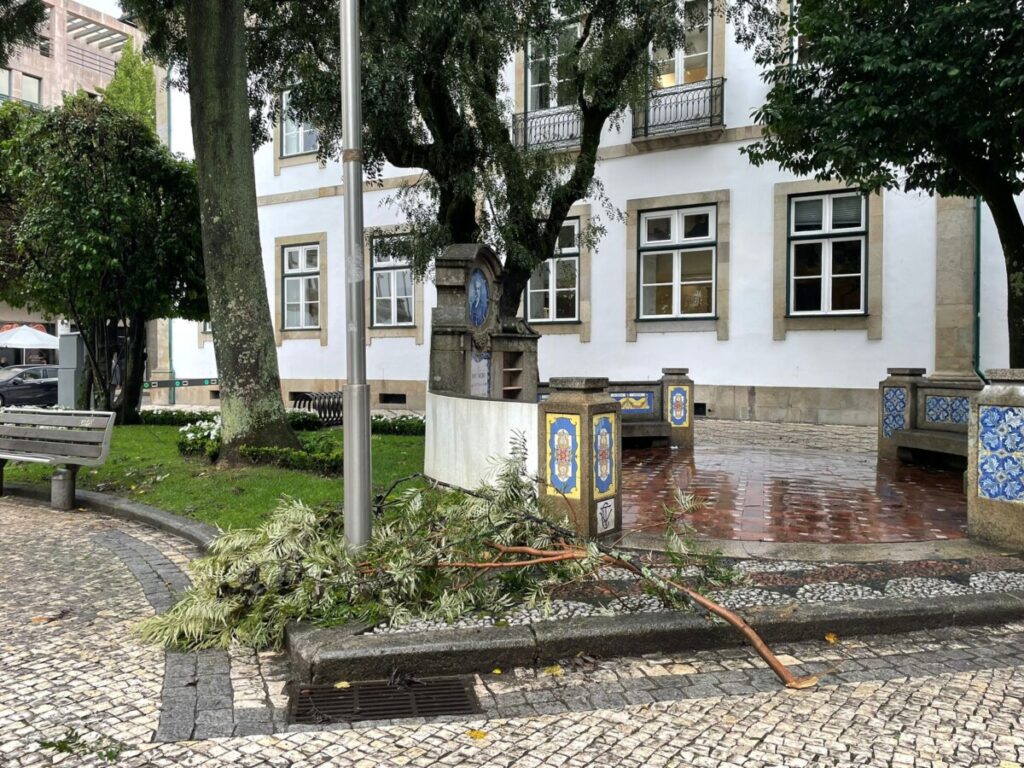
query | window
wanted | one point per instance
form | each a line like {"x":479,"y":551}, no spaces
{"x":5,"y":82}
{"x":391,"y":277}
{"x":827,"y":251}
{"x":678,"y":263}
{"x":301,"y":286}
{"x":552,"y":294}
{"x":31,"y":89}
{"x":296,"y":138}
{"x":206,"y":327}
{"x":692,"y":64}
{"x":548,"y":83}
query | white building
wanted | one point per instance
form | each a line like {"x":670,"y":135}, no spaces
{"x":788,"y":299}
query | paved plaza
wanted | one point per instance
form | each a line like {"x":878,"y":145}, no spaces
{"x":794,"y":483}
{"x":71,"y":674}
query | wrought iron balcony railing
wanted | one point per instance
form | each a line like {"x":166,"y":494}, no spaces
{"x":681,"y":109}
{"x":558,"y":127}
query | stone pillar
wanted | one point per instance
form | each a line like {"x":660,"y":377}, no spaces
{"x":954,"y":288}
{"x":158,"y":359}
{"x":677,"y":395}
{"x":581,"y":454}
{"x":995,"y":461}
{"x":896,"y":397}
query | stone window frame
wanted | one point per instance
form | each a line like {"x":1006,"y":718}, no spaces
{"x":871,"y":319}
{"x":414,"y":331}
{"x":720,"y":323}
{"x":676,"y":247}
{"x":581,"y":326}
{"x":281,"y":334}
{"x":288,"y":161}
{"x":204,"y":336}
{"x":551,"y":287}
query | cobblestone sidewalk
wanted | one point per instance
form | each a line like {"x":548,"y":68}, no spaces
{"x":72,"y":586}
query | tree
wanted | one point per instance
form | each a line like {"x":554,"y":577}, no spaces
{"x":211,"y":48}
{"x":133,"y":87}
{"x":433,"y":99}
{"x":100,"y":224}
{"x":918,"y":94}
{"x":19,"y":20}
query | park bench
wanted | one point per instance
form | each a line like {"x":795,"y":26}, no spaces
{"x":67,"y":439}
{"x":328,"y":405}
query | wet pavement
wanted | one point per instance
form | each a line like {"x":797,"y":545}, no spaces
{"x":793,"y":483}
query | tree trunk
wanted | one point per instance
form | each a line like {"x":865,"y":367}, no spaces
{"x":134,"y":372}
{"x":1011,"y":236}
{"x":252,"y":410}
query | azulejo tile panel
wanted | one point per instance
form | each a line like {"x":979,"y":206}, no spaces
{"x":563,"y":459}
{"x":945,"y":409}
{"x":1001,"y":453}
{"x":894,"y":410}
{"x":678,"y":406}
{"x":605,"y":470}
{"x":635,"y":403}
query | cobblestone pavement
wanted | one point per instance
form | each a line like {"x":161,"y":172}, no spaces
{"x":793,"y":483}
{"x":72,"y":585}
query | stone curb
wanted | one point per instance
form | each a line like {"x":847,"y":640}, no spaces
{"x":324,"y":655}
{"x":194,"y":531}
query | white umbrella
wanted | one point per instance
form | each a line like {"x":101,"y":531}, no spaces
{"x":27,"y":337}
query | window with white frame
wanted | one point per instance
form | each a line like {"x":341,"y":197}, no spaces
{"x":827,"y":253}
{"x":677,"y":262}
{"x":552,"y":294}
{"x":391,"y":278}
{"x":31,"y":89}
{"x":301,"y":284}
{"x":548,"y":76}
{"x":5,"y":82}
{"x":297,"y":138}
{"x":692,"y":62}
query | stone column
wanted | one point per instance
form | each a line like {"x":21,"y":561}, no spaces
{"x":954,"y":288}
{"x":896,"y":397}
{"x":158,"y":360}
{"x":995,"y":461}
{"x":677,"y":395}
{"x":581,"y":454}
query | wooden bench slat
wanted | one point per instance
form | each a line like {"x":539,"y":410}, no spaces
{"x":54,"y":420}
{"x":56,"y":435}
{"x":71,"y":451}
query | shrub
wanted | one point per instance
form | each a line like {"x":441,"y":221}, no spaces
{"x":304,"y":421}
{"x":201,"y":438}
{"x":398,"y":425}
{"x":321,"y":462}
{"x":298,"y":419}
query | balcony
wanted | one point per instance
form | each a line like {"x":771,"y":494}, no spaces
{"x":548,"y":128}
{"x":16,"y":100}
{"x":681,"y":109}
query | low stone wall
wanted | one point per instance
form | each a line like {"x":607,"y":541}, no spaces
{"x":466,"y":434}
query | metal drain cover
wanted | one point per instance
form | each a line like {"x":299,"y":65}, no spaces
{"x":377,"y":700}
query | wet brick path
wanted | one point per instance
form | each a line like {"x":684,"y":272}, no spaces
{"x":73,"y":585}
{"x":793,"y":483}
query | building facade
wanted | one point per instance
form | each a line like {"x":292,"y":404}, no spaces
{"x":787,"y":298}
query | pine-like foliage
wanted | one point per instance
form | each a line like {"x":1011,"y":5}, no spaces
{"x":295,"y":566}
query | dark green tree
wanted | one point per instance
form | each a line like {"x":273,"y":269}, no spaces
{"x":99,"y":223}
{"x":913,"y":94}
{"x":133,"y":87}
{"x":19,"y":20}
{"x":433,"y":99}
{"x":209,"y":47}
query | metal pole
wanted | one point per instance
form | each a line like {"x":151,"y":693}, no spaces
{"x":357,"y":395}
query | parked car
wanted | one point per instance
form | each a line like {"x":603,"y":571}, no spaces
{"x":28,"y":385}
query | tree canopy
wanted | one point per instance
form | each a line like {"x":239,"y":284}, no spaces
{"x":916,"y":94}
{"x":133,"y":87}
{"x":99,"y":224}
{"x":19,"y":20}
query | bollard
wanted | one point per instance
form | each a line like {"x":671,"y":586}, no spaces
{"x":62,"y":488}
{"x":677,"y":395}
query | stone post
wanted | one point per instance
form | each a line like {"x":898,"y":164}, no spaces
{"x":581,"y":454}
{"x":995,"y":461}
{"x":896,"y":397}
{"x":677,"y":395}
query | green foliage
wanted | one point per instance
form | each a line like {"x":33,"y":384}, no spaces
{"x":299,"y":420}
{"x":296,"y":566}
{"x":398,"y":425}
{"x":309,"y":459}
{"x":304,"y":421}
{"x":201,"y":438}
{"x":133,"y":87}
{"x":71,"y":743}
{"x":19,"y":22}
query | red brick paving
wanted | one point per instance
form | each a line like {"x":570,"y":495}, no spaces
{"x":792,"y":495}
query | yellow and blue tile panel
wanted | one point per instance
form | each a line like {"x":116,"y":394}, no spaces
{"x":605,"y":470}
{"x":563,"y":455}
{"x":635,"y":403}
{"x":677,"y":406}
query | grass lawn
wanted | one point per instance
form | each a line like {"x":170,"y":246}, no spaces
{"x":144,"y":465}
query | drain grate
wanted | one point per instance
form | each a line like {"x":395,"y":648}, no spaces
{"x":377,"y":700}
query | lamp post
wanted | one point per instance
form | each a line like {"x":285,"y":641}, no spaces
{"x":357,"y":395}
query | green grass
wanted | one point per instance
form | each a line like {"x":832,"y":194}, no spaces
{"x":144,"y":465}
